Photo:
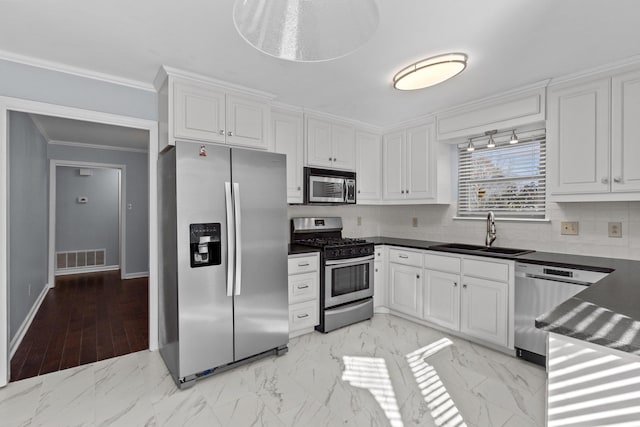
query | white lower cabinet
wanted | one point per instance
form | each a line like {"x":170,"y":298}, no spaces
{"x":442,"y":298}
{"x":465,"y":294}
{"x":484,"y":305}
{"x":380,"y":278}
{"x":304,"y":294}
{"x":405,"y":289}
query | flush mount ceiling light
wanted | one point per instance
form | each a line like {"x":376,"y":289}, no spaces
{"x":430,"y":71}
{"x":306,"y":30}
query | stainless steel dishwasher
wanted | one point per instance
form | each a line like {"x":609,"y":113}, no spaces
{"x":538,"y":289}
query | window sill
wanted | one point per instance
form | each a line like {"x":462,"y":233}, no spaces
{"x":465,"y":218}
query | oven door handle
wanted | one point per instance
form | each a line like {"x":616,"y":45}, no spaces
{"x":350,"y":260}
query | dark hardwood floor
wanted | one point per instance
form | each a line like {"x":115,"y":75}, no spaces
{"x":85,"y":318}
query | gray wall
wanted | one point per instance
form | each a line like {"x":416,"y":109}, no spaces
{"x":53,"y":87}
{"x":28,"y":217}
{"x":137,"y":193}
{"x":91,"y":225}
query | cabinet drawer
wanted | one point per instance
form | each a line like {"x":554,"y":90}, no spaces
{"x":303,"y":287}
{"x":303,"y":264}
{"x":405,"y":257}
{"x":303,"y":315}
{"x":486,"y":270}
{"x":442,"y":263}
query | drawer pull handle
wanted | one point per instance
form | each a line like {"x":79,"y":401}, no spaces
{"x":302,"y":316}
{"x":403,"y":256}
{"x":306,"y":264}
{"x":303,"y":287}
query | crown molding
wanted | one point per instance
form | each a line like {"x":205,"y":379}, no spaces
{"x":165,"y":71}
{"x":599,"y":71}
{"x":96,"y":146}
{"x":76,"y":71}
{"x":361,"y":125}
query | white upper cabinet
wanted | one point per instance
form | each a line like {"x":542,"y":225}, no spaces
{"x":593,"y":140}
{"x":247,"y":122}
{"x":420,"y":163}
{"x":193,"y":108}
{"x":368,"y":166}
{"x":393,"y":166}
{"x":578,"y":138}
{"x":286,"y":131}
{"x":199,"y":112}
{"x":330,"y":144}
{"x":625,"y":136}
{"x":409,"y":165}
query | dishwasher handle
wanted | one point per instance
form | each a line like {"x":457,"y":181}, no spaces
{"x":554,"y":279}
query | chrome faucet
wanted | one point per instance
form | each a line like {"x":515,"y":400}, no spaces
{"x":491,"y":229}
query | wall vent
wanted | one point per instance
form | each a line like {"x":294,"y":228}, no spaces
{"x":80,"y":260}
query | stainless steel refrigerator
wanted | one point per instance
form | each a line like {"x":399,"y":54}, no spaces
{"x":223,"y":296}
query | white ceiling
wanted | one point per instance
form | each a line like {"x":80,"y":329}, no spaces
{"x":510,"y":43}
{"x":57,"y":129}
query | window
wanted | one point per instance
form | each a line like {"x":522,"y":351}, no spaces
{"x":509,"y":180}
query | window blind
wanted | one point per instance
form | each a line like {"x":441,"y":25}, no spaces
{"x":509,"y":180}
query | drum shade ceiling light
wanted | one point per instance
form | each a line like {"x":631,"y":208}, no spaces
{"x":306,"y":30}
{"x":430,"y":71}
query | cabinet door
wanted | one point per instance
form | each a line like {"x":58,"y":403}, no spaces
{"x":286,"y":131}
{"x":442,"y":298}
{"x":393,"y":161}
{"x":247,"y":122}
{"x":420,"y":170}
{"x":319,"y":150}
{"x":484,"y":306}
{"x":343,"y":142}
{"x":198,"y":112}
{"x":369,"y":164}
{"x":405,"y":289}
{"x":625,"y":135}
{"x":578,"y":139}
{"x":379,"y":285}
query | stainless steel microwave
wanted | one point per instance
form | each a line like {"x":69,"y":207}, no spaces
{"x":327,"y":186}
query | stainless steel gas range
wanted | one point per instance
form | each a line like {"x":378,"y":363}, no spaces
{"x":346,"y":291}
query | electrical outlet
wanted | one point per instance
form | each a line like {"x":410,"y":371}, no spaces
{"x":359,"y":220}
{"x":569,"y":228}
{"x":615,"y":229}
{"x":414,"y":221}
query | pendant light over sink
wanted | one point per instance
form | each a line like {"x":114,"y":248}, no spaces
{"x":306,"y":30}
{"x":430,"y":71}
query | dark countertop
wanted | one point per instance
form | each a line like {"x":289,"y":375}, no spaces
{"x":606,"y":313}
{"x":301,"y":249}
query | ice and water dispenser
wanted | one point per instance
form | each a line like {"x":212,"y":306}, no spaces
{"x":205,"y":244}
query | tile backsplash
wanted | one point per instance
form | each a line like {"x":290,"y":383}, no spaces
{"x":435,"y":222}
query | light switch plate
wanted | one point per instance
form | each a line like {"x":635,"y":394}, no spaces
{"x":615,"y":229}
{"x":414,"y":221}
{"x":569,"y":228}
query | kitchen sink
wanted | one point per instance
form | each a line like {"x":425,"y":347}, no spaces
{"x":470,"y":249}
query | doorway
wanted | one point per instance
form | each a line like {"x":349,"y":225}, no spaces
{"x":8,"y":105}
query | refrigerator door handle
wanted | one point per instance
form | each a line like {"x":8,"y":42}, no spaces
{"x":238,"y":235}
{"x":231,"y":246}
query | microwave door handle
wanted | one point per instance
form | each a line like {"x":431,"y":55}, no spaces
{"x":344,"y":190}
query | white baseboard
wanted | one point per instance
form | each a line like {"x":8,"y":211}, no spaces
{"x":80,"y":270}
{"x":22,"y":330}
{"x":135,"y":275}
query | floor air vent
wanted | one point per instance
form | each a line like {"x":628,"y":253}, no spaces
{"x":80,"y":260}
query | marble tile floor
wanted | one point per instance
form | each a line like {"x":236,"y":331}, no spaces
{"x":383,"y":372}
